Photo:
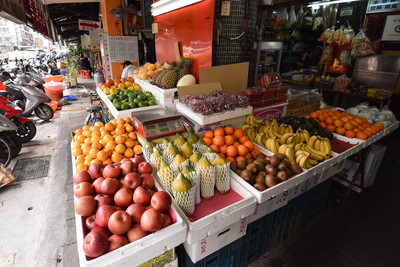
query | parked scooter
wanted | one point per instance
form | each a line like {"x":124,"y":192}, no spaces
{"x":9,"y":148}
{"x":26,"y":128}
{"x":32,"y":101}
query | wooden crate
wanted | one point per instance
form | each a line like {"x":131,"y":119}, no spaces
{"x":302,"y":111}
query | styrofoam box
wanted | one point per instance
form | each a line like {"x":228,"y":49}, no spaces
{"x":331,"y":171}
{"x":391,"y":128}
{"x":358,"y":145}
{"x":121,"y":113}
{"x":271,"y":112}
{"x":209,"y":244}
{"x":165,"y":97}
{"x":209,"y":119}
{"x":304,"y":186}
{"x":137,"y":252}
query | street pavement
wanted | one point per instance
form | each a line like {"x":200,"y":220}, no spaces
{"x":37,"y":219}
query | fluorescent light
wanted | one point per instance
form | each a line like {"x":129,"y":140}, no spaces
{"x":165,"y":6}
{"x":326,"y":3}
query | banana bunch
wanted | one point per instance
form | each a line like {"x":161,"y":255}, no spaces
{"x":304,"y":135}
{"x":290,"y":139}
{"x":250,"y":131}
{"x":284,"y":128}
{"x":252,"y":121}
{"x":320,"y":144}
{"x":273,"y":123}
{"x":270,"y":131}
{"x":304,"y":160}
{"x":272,"y":144}
{"x":288,"y":151}
{"x":316,"y":155}
{"x":260,"y":139}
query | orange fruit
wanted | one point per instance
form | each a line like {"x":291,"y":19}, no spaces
{"x":120,"y":139}
{"x":88,"y":141}
{"x":110,"y":146}
{"x":228,"y":130}
{"x":222,"y":155}
{"x":86,"y":150}
{"x":137,"y":149}
{"x":80,"y":139}
{"x":107,"y":161}
{"x":94,"y":129}
{"x":236,"y":144}
{"x":219,"y":140}
{"x":348,"y":126}
{"x":86,"y":128}
{"x":247,"y":156}
{"x":242,"y":150}
{"x":243,"y":139}
{"x":135,"y":143}
{"x":87,"y":133}
{"x":208,"y":141}
{"x":238,"y":133}
{"x":93,"y":152}
{"x":129,"y":128}
{"x":345,"y":119}
{"x":321,"y":117}
{"x":240,"y":158}
{"x":331,"y":128}
{"x":129,"y":143}
{"x":116,"y":157}
{"x":329,"y":120}
{"x":132,"y":136}
{"x":129,"y":152}
{"x":249,"y":145}
{"x":219,"y":131}
{"x":120,"y":121}
{"x":95,"y":161}
{"x":372,"y":130}
{"x":98,"y":124}
{"x":323,"y":124}
{"x":362,"y":136}
{"x":102,"y":155}
{"x":120,"y":148}
{"x":78,"y":131}
{"x":230,"y":159}
{"x":350,"y":133}
{"x":223,"y":149}
{"x":215,"y":148}
{"x":120,"y":130}
{"x":379,"y":125}
{"x":229,"y":139}
{"x":104,"y":133}
{"x":255,"y":152}
{"x":81,"y":167}
{"x":109,"y":126}
{"x":128,"y":120}
{"x":355,"y":124}
{"x":209,"y":134}
{"x":107,"y":138}
{"x":79,"y":159}
{"x":338,"y":123}
{"x":97,"y":145}
{"x":232,"y":151}
{"x":340,"y":130}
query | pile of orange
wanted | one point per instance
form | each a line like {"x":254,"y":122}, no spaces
{"x":342,"y":123}
{"x":231,"y":144}
{"x":105,"y":143}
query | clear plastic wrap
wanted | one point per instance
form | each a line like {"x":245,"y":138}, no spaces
{"x":217,"y":104}
{"x":187,"y":98}
{"x":361,"y":45}
{"x":347,"y":36}
{"x":326,"y":36}
{"x":217,"y":93}
{"x":337,"y":36}
{"x":241,"y":100}
{"x":327,"y":56}
{"x":341,"y":83}
{"x":201,"y":106}
{"x":229,"y":103}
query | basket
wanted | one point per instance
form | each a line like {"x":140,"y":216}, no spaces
{"x":301,"y":111}
{"x":6,"y":177}
{"x":57,"y":78}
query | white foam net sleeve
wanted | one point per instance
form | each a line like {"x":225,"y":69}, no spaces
{"x":185,"y":200}
{"x":223,"y":178}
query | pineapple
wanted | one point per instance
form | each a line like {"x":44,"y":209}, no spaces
{"x":158,"y":79}
{"x":153,"y":80}
{"x":184,"y":65}
{"x":169,"y":80}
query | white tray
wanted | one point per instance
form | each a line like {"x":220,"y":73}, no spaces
{"x":137,"y":252}
{"x":165,"y":97}
{"x":217,"y":117}
{"x":121,"y":113}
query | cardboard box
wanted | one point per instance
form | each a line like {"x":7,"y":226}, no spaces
{"x":200,"y":129}
{"x":272,"y":112}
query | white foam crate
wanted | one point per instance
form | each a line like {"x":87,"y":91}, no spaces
{"x":217,"y":117}
{"x":121,"y":113}
{"x":165,"y":97}
{"x":208,"y":245}
{"x":137,"y":252}
{"x":305,"y":185}
{"x":331,"y":171}
{"x":391,"y":128}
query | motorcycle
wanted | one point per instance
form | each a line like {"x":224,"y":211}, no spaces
{"x":26,"y":128}
{"x":9,"y":148}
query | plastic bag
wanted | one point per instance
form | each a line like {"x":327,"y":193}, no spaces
{"x":361,"y":45}
{"x":317,"y":22}
{"x":327,"y":56}
{"x":341,"y":83}
{"x":292,"y":17}
{"x":347,"y":36}
{"x":388,"y":114}
{"x":326,"y":36}
{"x":337,"y":36}
{"x":344,"y":58}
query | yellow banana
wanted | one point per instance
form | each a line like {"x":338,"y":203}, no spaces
{"x":301,"y":152}
{"x":289,"y":153}
{"x":306,"y":135}
{"x":327,"y":145}
{"x":297,"y":147}
{"x":312,"y":140}
{"x":281,"y":129}
{"x":312,"y":162}
{"x":282,"y":149}
{"x":317,"y":145}
{"x":314,"y":151}
{"x":285,"y":137}
{"x":299,"y":157}
{"x":275,"y":133}
{"x":248,"y":119}
{"x":245,"y":127}
{"x":303,"y":162}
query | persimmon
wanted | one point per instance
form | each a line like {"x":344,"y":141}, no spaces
{"x":218,"y":140}
{"x":340,"y":130}
{"x":255,"y":152}
{"x":331,"y":128}
{"x":215,"y":148}
{"x":249,"y":145}
{"x":350,"y":133}
{"x":207,"y":141}
{"x":219,"y":131}
{"x":321,"y":117}
{"x":323,"y":124}
{"x":362,"y":136}
{"x":230,"y":159}
{"x":223,"y":149}
{"x":348,"y":126}
{"x":238,"y":133}
{"x":229,"y":139}
{"x":232,"y":151}
{"x":240,"y":158}
{"x":329,"y":120}
{"x":243,"y":139}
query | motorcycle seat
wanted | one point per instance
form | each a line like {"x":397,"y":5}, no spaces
{"x":93,"y":108}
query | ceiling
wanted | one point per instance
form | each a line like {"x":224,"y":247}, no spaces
{"x":65,"y":17}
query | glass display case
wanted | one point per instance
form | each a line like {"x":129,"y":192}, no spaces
{"x":269,"y":55}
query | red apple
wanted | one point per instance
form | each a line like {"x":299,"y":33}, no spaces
{"x":83,"y":189}
{"x":95,"y":244}
{"x":161,"y":201}
{"x":103,"y":200}
{"x":142,"y":195}
{"x":85,"y":205}
{"x":97,"y":184}
{"x":91,"y":221}
{"x":147,"y":180}
{"x":82,"y":176}
{"x":136,"y":211}
{"x":138,"y":159}
{"x":95,"y":170}
{"x":116,"y":164}
{"x":135,"y":233}
{"x":111,"y":171}
{"x":101,"y":229}
{"x":119,"y":222}
{"x":127,"y":166}
{"x":166,"y":220}
{"x":103,"y":214}
{"x":109,"y":186}
{"x":151,"y":221}
{"x":145,"y":167}
{"x":132,"y":180}
{"x":116,"y":241}
{"x":121,"y":182}
{"x":123,"y":198}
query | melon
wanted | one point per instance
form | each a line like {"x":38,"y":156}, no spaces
{"x":186,"y":80}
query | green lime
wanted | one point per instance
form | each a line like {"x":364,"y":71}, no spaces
{"x":151,"y":98}
{"x":136,"y":100}
{"x":118,"y":92}
{"x":152,"y":103}
{"x":131,"y":98}
{"x":132,"y":105}
{"x":112,"y":97}
{"x":149,"y":94}
{"x":125,"y":106}
{"x":117,"y":105}
{"x":142,"y":96}
{"x":143,"y":104}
